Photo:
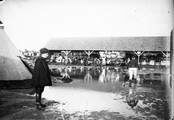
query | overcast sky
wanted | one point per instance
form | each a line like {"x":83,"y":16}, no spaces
{"x":31,"y":23}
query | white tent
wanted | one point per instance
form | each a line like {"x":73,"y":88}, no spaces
{"x":11,"y":67}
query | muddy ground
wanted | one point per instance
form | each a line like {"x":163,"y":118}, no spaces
{"x":19,"y":104}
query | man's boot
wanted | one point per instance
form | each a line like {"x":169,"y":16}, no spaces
{"x":40,"y":96}
{"x":38,"y":105}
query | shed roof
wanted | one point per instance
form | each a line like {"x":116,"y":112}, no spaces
{"x":110,"y":43}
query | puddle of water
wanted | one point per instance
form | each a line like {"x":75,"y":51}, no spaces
{"x":77,"y":99}
{"x":97,"y":89}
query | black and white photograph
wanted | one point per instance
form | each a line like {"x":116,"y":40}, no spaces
{"x":86,"y":60}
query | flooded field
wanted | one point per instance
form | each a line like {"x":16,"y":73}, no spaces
{"x":105,"y":91}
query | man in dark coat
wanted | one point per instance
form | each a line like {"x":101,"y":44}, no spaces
{"x":41,"y":76}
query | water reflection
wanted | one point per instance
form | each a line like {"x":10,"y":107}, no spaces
{"x":88,"y":74}
{"x":64,"y":72}
{"x":62,"y":75}
{"x":109,"y":75}
{"x":88,"y":77}
{"x":132,"y":98}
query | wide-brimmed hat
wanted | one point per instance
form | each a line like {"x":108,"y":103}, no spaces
{"x":44,"y":50}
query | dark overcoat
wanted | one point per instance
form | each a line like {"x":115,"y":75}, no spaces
{"x":41,"y":73}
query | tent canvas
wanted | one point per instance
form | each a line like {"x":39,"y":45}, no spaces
{"x":11,"y":67}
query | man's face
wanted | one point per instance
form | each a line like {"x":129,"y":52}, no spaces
{"x":45,"y":55}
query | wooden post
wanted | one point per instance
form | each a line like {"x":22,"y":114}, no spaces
{"x":167,"y":55}
{"x":66,"y":54}
{"x":139,"y":53}
{"x":172,"y":74}
{"x":88,"y":53}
